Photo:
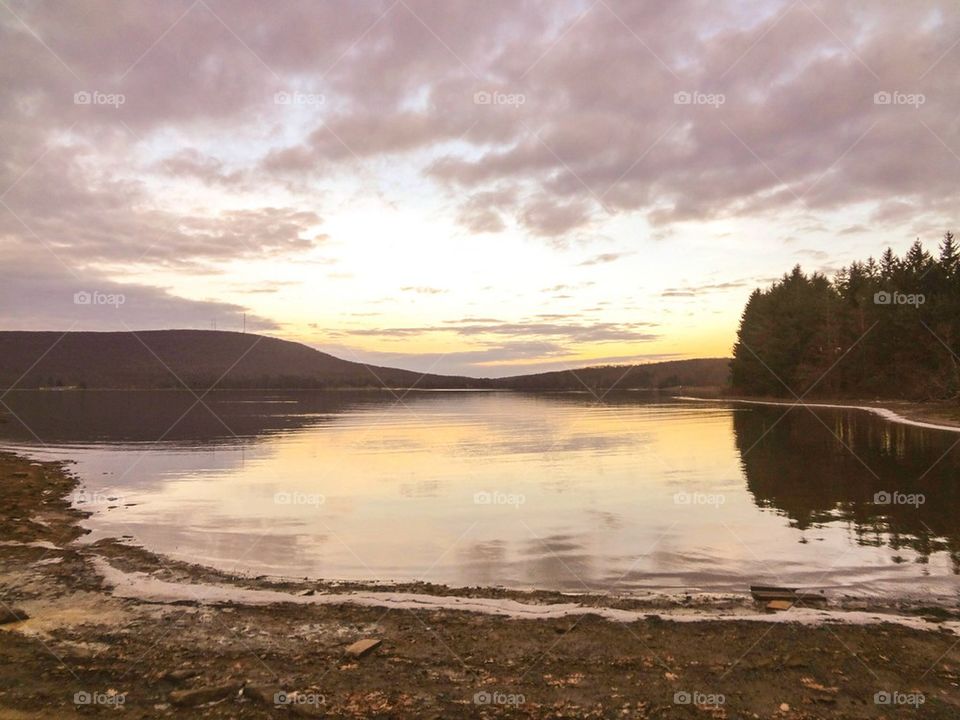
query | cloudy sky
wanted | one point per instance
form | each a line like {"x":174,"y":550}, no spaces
{"x":483,"y":187}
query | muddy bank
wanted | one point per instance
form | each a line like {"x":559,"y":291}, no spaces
{"x":110,"y":625}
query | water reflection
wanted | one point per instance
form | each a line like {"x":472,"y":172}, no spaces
{"x":599,"y":485}
{"x":895,"y":485}
{"x":170,"y":416}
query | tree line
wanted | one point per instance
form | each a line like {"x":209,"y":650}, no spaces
{"x":884,"y":329}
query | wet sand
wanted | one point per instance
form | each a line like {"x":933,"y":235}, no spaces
{"x":110,"y":624}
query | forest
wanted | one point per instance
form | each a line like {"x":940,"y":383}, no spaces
{"x":878,"y":329}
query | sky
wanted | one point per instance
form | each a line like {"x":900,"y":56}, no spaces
{"x":483,"y":188}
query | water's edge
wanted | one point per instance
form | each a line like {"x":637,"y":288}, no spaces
{"x":883,"y":412}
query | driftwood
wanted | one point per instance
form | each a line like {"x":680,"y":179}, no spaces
{"x":766,"y":593}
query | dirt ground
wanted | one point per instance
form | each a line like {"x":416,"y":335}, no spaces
{"x":83,"y":651}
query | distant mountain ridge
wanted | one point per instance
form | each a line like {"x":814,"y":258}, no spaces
{"x":699,"y":372}
{"x":202,"y":359}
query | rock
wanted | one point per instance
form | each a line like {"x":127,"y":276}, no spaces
{"x":306,"y":711}
{"x":363,"y":647}
{"x":180,"y":675}
{"x":793,"y":661}
{"x":202,"y":695}
{"x":263,"y":694}
{"x":12,"y":615}
{"x":784,"y":707}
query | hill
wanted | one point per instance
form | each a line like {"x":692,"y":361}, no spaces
{"x":200,"y":358}
{"x":204,"y":358}
{"x":703,"y":372}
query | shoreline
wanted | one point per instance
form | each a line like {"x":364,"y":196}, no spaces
{"x":180,"y":640}
{"x":920,"y":411}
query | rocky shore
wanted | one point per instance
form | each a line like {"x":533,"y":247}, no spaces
{"x":93,"y":629}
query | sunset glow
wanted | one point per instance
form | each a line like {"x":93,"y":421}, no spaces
{"x":480,"y":188}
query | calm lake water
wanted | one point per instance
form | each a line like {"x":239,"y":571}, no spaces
{"x":547,"y":491}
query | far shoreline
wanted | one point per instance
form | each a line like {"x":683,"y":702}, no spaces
{"x":930,"y":416}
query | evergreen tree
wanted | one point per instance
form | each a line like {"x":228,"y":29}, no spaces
{"x":948,"y":255}
{"x":879,"y":329}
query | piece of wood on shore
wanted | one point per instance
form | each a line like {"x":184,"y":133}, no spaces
{"x":203,"y":695}
{"x":766,"y":593}
{"x":779,"y":605}
{"x":363,"y":647}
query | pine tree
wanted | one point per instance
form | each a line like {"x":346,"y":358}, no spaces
{"x":949,"y":255}
{"x":889,"y":264}
{"x":799,"y":330}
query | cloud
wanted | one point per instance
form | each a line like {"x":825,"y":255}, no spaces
{"x":157,"y":139}
{"x":854,"y":229}
{"x":36,"y":291}
{"x":568,"y":286}
{"x":191,"y":163}
{"x":576,"y":332}
{"x":423,"y":290}
{"x":603,"y":259}
{"x":693,"y":291}
{"x":813,"y":254}
{"x":389,"y":80}
{"x":483,"y":211}
{"x":549,"y":218}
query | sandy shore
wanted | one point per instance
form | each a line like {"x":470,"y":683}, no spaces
{"x":110,"y":625}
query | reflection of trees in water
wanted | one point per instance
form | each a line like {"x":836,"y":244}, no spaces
{"x":93,"y":416}
{"x":795,"y":465}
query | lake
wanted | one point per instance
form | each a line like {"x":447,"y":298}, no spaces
{"x":552,"y":491}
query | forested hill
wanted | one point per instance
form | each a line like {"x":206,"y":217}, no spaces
{"x":879,"y":329}
{"x":701,"y":372}
{"x":203,"y":359}
{"x":198,"y":358}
